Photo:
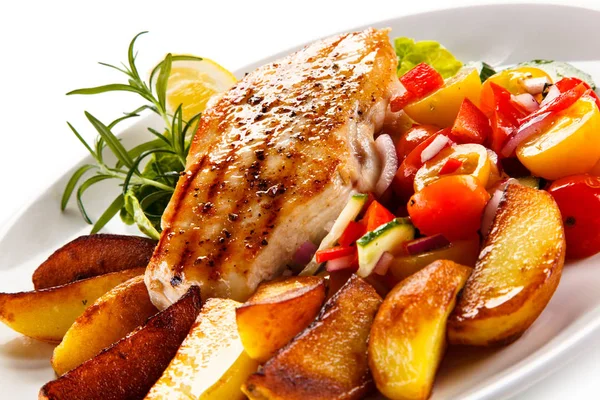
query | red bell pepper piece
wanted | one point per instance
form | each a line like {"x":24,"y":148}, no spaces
{"x":502,"y":129}
{"x":376,"y":216}
{"x":560,"y":103}
{"x":450,"y":166}
{"x":504,"y":120}
{"x":353,"y":232}
{"x":405,"y":177}
{"x":506,"y":105}
{"x":418,"y":82}
{"x":471,"y":125}
{"x":422,"y":80}
{"x":333,"y":253}
{"x":566,"y":84}
{"x":370,"y":199}
{"x":399,"y":102}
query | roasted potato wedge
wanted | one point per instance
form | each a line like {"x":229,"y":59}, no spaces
{"x":211,"y":363}
{"x":516,"y":273}
{"x":408,"y":336}
{"x":111,"y":317}
{"x":277,"y":312}
{"x":47,"y":314}
{"x":129,"y":368}
{"x":329,"y":359}
{"x":93,"y":255}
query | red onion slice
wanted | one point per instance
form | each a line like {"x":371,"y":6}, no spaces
{"x":305,"y":253}
{"x":528,"y":129}
{"x":382,"y":266}
{"x":535,"y":85}
{"x":387,"y":152}
{"x":553,"y":93}
{"x":340,"y":263}
{"x":489,"y":213}
{"x":434,"y":148}
{"x":526,"y":101}
{"x":425,"y":244}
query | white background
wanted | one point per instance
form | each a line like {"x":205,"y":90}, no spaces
{"x":50,"y":47}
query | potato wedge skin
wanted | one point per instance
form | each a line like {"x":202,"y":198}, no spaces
{"x":328,"y":360}
{"x":516,"y":274}
{"x":114,"y":315}
{"x":129,"y":368}
{"x":47,"y":314}
{"x":211,"y":363}
{"x":277,"y":312}
{"x":408,"y":336}
{"x":93,"y":255}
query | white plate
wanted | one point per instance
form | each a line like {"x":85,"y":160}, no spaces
{"x":499,"y":34}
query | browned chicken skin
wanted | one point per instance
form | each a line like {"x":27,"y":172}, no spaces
{"x":272,"y":164}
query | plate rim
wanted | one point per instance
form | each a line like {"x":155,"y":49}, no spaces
{"x":508,"y":382}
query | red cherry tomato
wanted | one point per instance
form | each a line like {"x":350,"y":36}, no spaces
{"x":452,"y":206}
{"x":402,"y":185}
{"x":412,"y":138}
{"x":578,"y":198}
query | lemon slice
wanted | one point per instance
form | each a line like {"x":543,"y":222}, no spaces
{"x":192,"y":82}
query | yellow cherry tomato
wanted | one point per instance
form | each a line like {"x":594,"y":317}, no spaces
{"x":441,"y":107}
{"x":571,"y":144}
{"x":474,"y":160}
{"x":464,"y":252}
{"x":495,"y":174}
{"x":511,"y":80}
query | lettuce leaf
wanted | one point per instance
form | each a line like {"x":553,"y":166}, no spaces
{"x":411,"y":53}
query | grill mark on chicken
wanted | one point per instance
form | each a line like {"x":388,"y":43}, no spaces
{"x":275,"y":142}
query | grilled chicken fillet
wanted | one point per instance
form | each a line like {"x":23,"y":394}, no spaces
{"x":273,"y":162}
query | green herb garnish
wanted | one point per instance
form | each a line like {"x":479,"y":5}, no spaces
{"x":485,"y":70}
{"x":147,"y":172}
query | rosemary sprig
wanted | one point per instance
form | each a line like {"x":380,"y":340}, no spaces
{"x":146,"y":172}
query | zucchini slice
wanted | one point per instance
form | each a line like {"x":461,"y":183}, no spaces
{"x":348,"y":214}
{"x":530,"y":181}
{"x":385,"y":238}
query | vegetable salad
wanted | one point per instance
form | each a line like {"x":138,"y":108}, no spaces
{"x":473,"y":131}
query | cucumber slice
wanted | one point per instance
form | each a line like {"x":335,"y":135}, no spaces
{"x":348,"y":214}
{"x":530,"y":181}
{"x":385,"y":238}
